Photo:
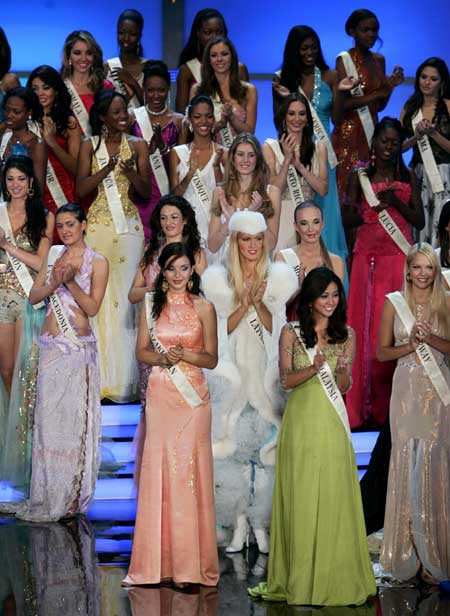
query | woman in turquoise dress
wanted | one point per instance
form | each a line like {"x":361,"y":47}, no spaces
{"x":318,"y":545}
{"x":304,"y":70}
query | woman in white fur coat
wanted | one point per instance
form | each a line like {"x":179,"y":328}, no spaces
{"x":250,"y":300}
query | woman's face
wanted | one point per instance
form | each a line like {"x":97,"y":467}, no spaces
{"x":250,"y":246}
{"x":155,"y":92}
{"x":17,"y":183}
{"x":430,"y":81}
{"x":45,"y":93}
{"x":128,"y":35}
{"x":244,"y":158}
{"x":309,"y":225}
{"x":81,"y":57}
{"x":70,"y":229}
{"x":327,"y":302}
{"x":308,"y":51}
{"x":387,"y":144}
{"x":116,"y":118}
{"x":210,"y":29}
{"x":421,"y":271}
{"x":366,"y":32}
{"x":220,"y":58}
{"x":177,"y":274}
{"x":202,"y":119}
{"x":16,"y":113}
{"x":296,"y":117}
{"x":171,"y":221}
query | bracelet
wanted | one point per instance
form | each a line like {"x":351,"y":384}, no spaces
{"x":163,"y":151}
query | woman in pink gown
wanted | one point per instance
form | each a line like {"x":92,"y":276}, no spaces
{"x":175,"y":532}
{"x":377,"y":267}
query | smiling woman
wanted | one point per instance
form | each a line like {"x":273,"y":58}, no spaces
{"x":113,"y":164}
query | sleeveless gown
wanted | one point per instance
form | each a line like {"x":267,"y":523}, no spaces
{"x":115,"y":323}
{"x":175,"y":533}
{"x":377,"y":269}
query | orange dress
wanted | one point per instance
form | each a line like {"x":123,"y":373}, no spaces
{"x":175,"y":532}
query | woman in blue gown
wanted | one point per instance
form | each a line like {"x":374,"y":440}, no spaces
{"x":304,"y":70}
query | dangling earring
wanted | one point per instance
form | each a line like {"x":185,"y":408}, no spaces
{"x":190,"y":284}
{"x":161,"y":237}
{"x":165,"y":286}
{"x":31,"y":191}
{"x":408,"y":277}
{"x":190,"y":127}
{"x":104,"y":132}
{"x":283,"y":126}
{"x":7,"y":195}
{"x":373,"y":157}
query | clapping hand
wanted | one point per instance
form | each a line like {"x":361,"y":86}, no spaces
{"x":282,"y":91}
{"x":288,"y":144}
{"x":347,"y":84}
{"x":319,"y":360}
{"x":48,"y":130}
{"x":156,"y":142}
{"x":128,"y":164}
{"x":396,"y":78}
{"x":258,"y":294}
{"x":227,"y":209}
{"x":256,"y":201}
{"x":194,"y":161}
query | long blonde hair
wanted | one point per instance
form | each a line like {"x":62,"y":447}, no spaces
{"x":438,"y":301}
{"x":234,"y":267}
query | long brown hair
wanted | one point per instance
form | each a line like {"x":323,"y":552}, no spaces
{"x":209,"y":84}
{"x":98,"y":74}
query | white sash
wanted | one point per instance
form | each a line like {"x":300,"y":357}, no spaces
{"x":291,"y":258}
{"x":4,"y":143}
{"x":57,"y":307}
{"x":79,"y":109}
{"x":199,"y":187}
{"x":363,"y":112}
{"x":328,"y":383}
{"x":225,"y":132}
{"x":195,"y":67}
{"x":428,"y":160}
{"x":256,"y":327}
{"x":20,"y":269}
{"x":424,"y":352}
{"x":113,"y":63}
{"x":156,"y":161}
{"x":384,"y":217}
{"x":319,"y":129}
{"x":111,"y":189}
{"x":51,"y":178}
{"x":293,"y":182}
{"x":177,"y":376}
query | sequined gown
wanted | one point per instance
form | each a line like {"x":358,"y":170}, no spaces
{"x":318,"y":548}
{"x":417,"y":518}
{"x":377,"y":269}
{"x":115,"y":324}
{"x":146,"y":206}
{"x":175,"y":533}
{"x":349,"y":140}
{"x":67,"y":419}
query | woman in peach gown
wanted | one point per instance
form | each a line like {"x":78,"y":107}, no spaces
{"x":175,"y":533}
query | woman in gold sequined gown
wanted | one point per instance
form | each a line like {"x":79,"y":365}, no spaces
{"x":114,"y":326}
{"x":416,"y":526}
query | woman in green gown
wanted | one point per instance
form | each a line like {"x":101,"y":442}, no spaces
{"x":318,"y":545}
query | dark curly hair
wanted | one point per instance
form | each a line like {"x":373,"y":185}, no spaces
{"x":171,"y":253}
{"x":415,"y":101}
{"x":191,"y":235}
{"x":307,"y":147}
{"x":192,"y":48}
{"x":102,"y":102}
{"x":61,"y":112}
{"x":209,"y":84}
{"x":292,"y":68}
{"x":36,"y":214}
{"x":443,"y":234}
{"x":401,"y":172}
{"x":312,"y":288}
{"x":30,"y":99}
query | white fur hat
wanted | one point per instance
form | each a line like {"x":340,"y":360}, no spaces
{"x":247,"y":221}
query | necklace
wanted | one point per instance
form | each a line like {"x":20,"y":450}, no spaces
{"x":156,"y":113}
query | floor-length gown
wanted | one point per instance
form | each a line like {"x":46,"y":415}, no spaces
{"x":175,"y":533}
{"x":115,"y":324}
{"x":377,"y":269}
{"x":349,"y":140}
{"x":417,"y":523}
{"x":333,"y":231}
{"x":67,"y":419}
{"x":146,"y":206}
{"x":318,"y":548}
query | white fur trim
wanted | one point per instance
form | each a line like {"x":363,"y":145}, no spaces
{"x":217,"y":290}
{"x":247,"y":221}
{"x":282,"y":283}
